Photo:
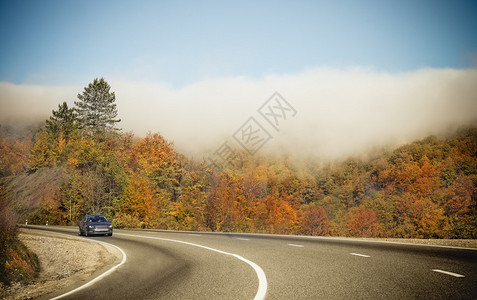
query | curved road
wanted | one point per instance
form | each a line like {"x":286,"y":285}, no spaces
{"x":187,"y":265}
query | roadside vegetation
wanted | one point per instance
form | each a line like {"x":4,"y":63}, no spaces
{"x":17,"y":262}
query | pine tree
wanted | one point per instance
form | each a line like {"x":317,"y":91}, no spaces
{"x":96,"y":108}
{"x":63,"y":121}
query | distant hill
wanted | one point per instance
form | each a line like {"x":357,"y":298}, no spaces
{"x":424,"y":189}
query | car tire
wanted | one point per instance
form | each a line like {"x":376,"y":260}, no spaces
{"x":80,"y":233}
{"x":110,"y":234}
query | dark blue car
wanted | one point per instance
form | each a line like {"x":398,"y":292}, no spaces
{"x":95,"y":224}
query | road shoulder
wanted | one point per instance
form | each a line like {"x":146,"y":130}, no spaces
{"x":460,"y":243}
{"x":64,"y":261}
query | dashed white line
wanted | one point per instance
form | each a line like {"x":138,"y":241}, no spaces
{"x":243,"y":239}
{"x":295,"y":245}
{"x":448,"y":273}
{"x":361,"y":255}
{"x":262,"y":279}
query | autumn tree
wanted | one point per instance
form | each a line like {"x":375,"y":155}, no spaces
{"x":315,"y":221}
{"x":44,"y":152}
{"x":362,"y":222}
{"x":157,"y":159}
{"x":13,"y":155}
{"x":141,"y":201}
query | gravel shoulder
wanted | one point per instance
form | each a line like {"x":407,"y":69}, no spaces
{"x":64,"y":260}
{"x":468,"y":243}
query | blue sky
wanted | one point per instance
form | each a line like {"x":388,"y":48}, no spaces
{"x":182,"y":42}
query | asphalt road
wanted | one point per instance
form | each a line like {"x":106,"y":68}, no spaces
{"x":185,"y":265}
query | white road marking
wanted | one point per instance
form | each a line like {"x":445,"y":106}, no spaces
{"x":90,"y":283}
{"x":361,"y":255}
{"x":448,"y":273}
{"x":295,"y":245}
{"x":262,"y":279}
{"x":194,"y":234}
{"x":243,"y":239}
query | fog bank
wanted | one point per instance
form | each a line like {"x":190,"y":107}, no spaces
{"x":338,"y":112}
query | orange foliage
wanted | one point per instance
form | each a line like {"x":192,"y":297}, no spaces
{"x":154,"y":152}
{"x":279,"y":216}
{"x":13,"y":156}
{"x":459,"y":197}
{"x":422,"y":189}
{"x":315,"y":221}
{"x":363,"y":222}
{"x":141,"y":200}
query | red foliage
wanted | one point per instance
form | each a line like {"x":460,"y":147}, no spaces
{"x":363,"y":222}
{"x":315,"y":221}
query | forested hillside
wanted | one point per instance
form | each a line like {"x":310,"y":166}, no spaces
{"x":75,"y":164}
